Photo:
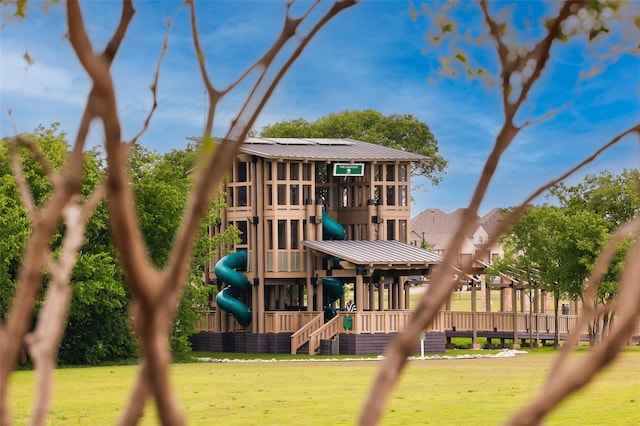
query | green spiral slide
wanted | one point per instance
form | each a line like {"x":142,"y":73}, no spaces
{"x":333,"y":287}
{"x":227,"y":299}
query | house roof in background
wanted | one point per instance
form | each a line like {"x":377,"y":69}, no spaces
{"x":438,"y":226}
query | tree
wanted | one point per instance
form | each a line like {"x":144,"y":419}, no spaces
{"x":14,"y":232}
{"x":554,"y":250}
{"x":403,"y":132}
{"x":97,"y":327}
{"x":616,"y":200}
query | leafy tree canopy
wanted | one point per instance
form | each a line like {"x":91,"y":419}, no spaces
{"x":556,"y":247}
{"x":616,"y":198}
{"x":404,"y":132}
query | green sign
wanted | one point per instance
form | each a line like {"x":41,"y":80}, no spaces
{"x":347,"y":323}
{"x":348,"y":169}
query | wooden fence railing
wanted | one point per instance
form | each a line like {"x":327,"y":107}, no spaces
{"x":396,"y":321}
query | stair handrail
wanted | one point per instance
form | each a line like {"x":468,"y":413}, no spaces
{"x":301,"y":336}
{"x":326,"y":331}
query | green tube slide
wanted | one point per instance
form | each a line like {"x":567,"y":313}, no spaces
{"x":331,"y":230}
{"x":227,"y":299}
{"x":333,"y":287}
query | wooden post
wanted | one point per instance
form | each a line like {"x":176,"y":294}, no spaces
{"x":407,"y":295}
{"x":319,"y":295}
{"x":372,"y":296}
{"x":514,"y":304}
{"x":487,"y":296}
{"x":474,"y":325}
{"x":359,"y":289}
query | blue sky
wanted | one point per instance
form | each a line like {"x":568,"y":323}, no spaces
{"x":371,"y":56}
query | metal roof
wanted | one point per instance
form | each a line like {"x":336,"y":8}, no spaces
{"x":379,"y":252}
{"x":324,"y":149}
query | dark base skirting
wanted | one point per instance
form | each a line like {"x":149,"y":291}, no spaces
{"x":280,"y":343}
{"x":265,"y":343}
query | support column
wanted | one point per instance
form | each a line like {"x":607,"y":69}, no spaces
{"x":382,"y":229}
{"x":407,"y":295}
{"x":393,"y":290}
{"x":259,"y":247}
{"x":372,"y":296}
{"x":359,"y":290}
{"x":483,"y":294}
{"x":371,"y":211}
{"x":272,"y":298}
{"x":309,"y":280}
{"x":487,"y":301}
{"x":255,"y":309}
{"x":380,"y":296}
{"x":514,"y":300}
{"x":474,"y":319}
{"x":318,"y":220}
{"x":282,"y":295}
{"x":319,"y":295}
{"x":300,"y":287}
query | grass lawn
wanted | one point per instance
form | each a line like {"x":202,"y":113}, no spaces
{"x":439,"y":392}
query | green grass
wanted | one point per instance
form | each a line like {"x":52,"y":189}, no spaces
{"x":458,"y":391}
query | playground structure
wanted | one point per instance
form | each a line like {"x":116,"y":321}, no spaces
{"x":317,"y":216}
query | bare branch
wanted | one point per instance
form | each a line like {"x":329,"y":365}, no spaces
{"x":154,"y":86}
{"x":125,"y":19}
{"x":442,"y":285}
{"x":208,"y":180}
{"x":44,"y":341}
{"x":566,"y":381}
{"x":512,"y":63}
{"x":21,"y":181}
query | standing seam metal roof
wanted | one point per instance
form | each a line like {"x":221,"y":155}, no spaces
{"x":325,"y":149}
{"x":363,"y":252}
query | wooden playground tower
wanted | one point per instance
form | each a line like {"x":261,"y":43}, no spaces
{"x":317,"y":216}
{"x":324,"y":217}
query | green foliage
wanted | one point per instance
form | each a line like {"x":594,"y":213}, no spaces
{"x":14,"y":231}
{"x":397,"y":131}
{"x":14,"y":225}
{"x":613,"y":198}
{"x":161,"y":186}
{"x":195,"y":298}
{"x":98,"y":326}
{"x":555,"y":248}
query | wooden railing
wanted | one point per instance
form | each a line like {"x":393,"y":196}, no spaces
{"x":286,"y":321}
{"x":301,"y":336}
{"x":504,"y":321}
{"x":396,"y":321}
{"x":327,"y":331}
{"x":208,"y":321}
